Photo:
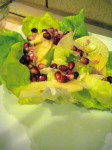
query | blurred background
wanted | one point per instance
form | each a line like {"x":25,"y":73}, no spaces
{"x":98,"y":13}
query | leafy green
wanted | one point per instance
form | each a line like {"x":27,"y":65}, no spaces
{"x":48,"y":21}
{"x":99,"y":89}
{"x":14,"y":75}
{"x":109,"y":63}
{"x":74,"y":23}
{"x":7,"y":39}
{"x":29,"y":23}
{"x":40,"y":23}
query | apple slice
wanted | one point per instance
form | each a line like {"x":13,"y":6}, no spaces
{"x":97,"y":51}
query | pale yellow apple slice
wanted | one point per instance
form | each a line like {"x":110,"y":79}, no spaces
{"x":97,"y":51}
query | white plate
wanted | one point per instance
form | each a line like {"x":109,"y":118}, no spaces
{"x":52,"y":126}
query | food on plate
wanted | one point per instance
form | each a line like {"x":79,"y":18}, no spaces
{"x":58,"y":61}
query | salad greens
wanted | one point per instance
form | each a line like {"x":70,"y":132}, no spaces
{"x":90,"y":89}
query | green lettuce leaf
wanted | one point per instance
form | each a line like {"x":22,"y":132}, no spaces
{"x":44,"y":22}
{"x":100,"y":90}
{"x":7,"y":39}
{"x":29,"y":23}
{"x":13,"y":74}
{"x":74,"y":23}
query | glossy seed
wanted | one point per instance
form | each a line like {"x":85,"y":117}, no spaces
{"x":56,"y":40}
{"x":76,"y":74}
{"x":109,"y":79}
{"x":58,"y":75}
{"x":84,"y":60}
{"x":47,"y":35}
{"x":41,"y":66}
{"x":70,"y":76}
{"x":33,"y":78}
{"x":63,"y":79}
{"x":63,"y":68}
{"x":43,"y":77}
{"x":54,"y":66}
{"x":26,"y":45}
{"x":71,"y":65}
{"x":80,"y":52}
{"x":34,"y":30}
{"x":34,"y":70}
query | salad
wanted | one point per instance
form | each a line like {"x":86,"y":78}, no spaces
{"x":57,"y":61}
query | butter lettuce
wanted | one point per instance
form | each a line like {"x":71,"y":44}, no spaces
{"x":74,"y":23}
{"x":7,"y":39}
{"x":13,"y":74}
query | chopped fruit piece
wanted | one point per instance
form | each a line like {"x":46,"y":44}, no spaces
{"x":34,"y":30}
{"x":84,"y":60}
{"x":71,"y":65}
{"x":54,"y":66}
{"x":109,"y":78}
{"x":42,"y":77}
{"x":63,"y":68}
{"x":58,"y":75}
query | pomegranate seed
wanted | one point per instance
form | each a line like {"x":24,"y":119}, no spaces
{"x":34,"y":70}
{"x":80,"y":52}
{"x":34,"y":30}
{"x":26,"y":45}
{"x":74,"y":48}
{"x":47,"y":35}
{"x":42,"y":77}
{"x":70,"y":76}
{"x":41,"y":66}
{"x":33,"y":78}
{"x":58,"y":75}
{"x":71,"y":65}
{"x":32,"y":57}
{"x":56,"y":40}
{"x":76,"y":74}
{"x":54,"y":66}
{"x":63,"y":79}
{"x":84,"y":60}
{"x":109,"y":78}
{"x":63,"y":68}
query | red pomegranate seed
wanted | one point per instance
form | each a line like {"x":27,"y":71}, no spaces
{"x":109,"y":79}
{"x":63,"y":79}
{"x":84,"y":60}
{"x":71,"y":65}
{"x":54,"y":66}
{"x":33,"y":78}
{"x":34,"y":70}
{"x":58,"y":75}
{"x":41,"y":66}
{"x":26,"y":45}
{"x":63,"y":68}
{"x":56,"y":40}
{"x":76,"y":74}
{"x":47,"y":35}
{"x":70,"y":76}
{"x":42,"y":77}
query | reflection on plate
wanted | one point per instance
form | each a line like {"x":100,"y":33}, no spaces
{"x":52,"y":126}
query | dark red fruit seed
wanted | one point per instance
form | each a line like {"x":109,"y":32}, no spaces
{"x":80,"y":52}
{"x":41,"y":66}
{"x":23,"y":60}
{"x":26,"y":45}
{"x":84,"y":60}
{"x":33,"y":78}
{"x":63,"y":68}
{"x":47,"y":35}
{"x":63,"y":79}
{"x":70,"y":76}
{"x":42,"y":77}
{"x":34,"y":30}
{"x":35,"y":71}
{"x":54,"y":66}
{"x":58,"y":75}
{"x":109,"y":78}
{"x":74,"y":48}
{"x":56,"y":40}
{"x":71,"y":65}
{"x":76,"y":74}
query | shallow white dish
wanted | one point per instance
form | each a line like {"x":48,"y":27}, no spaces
{"x":53,"y":126}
